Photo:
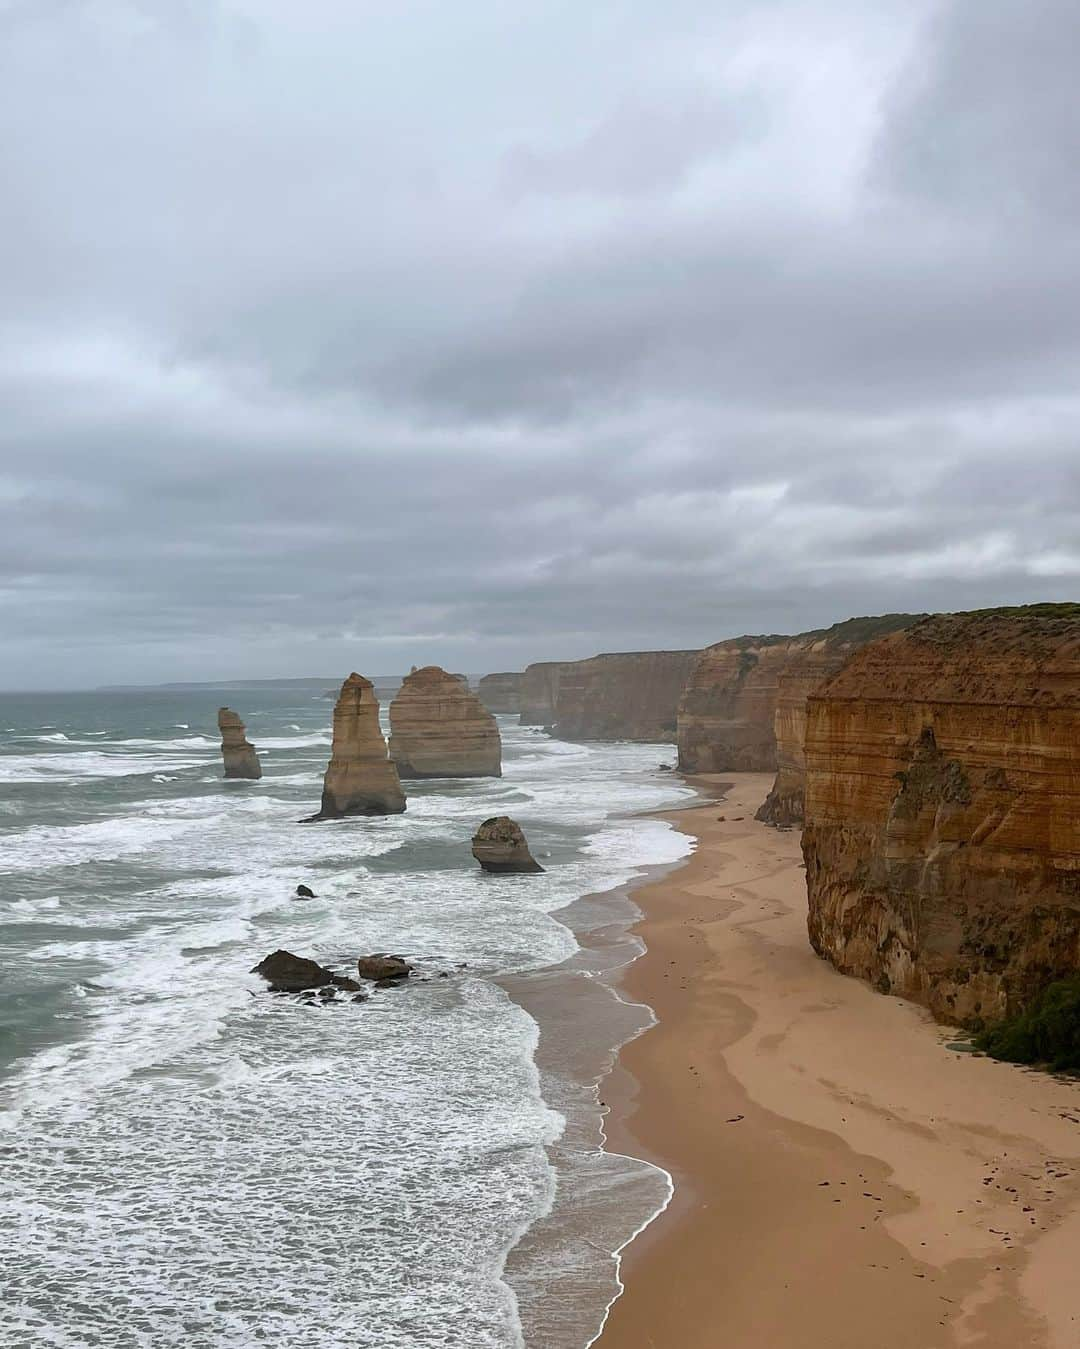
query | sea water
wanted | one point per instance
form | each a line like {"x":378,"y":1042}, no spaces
{"x":188,"y":1159}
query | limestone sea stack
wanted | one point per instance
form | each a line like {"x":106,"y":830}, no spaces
{"x":360,"y":780}
{"x":942,"y":836}
{"x":626,"y":695}
{"x":440,"y":729}
{"x":238,"y":752}
{"x":501,"y":692}
{"x":500,"y":846}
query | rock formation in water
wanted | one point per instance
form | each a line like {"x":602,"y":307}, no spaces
{"x":286,"y":973}
{"x":241,"y":761}
{"x":812,"y":658}
{"x":630,"y":695}
{"x":942,"y":837}
{"x":439,"y":729}
{"x":360,"y":780}
{"x":380,"y":968}
{"x":540,"y":691}
{"x":501,"y":692}
{"x":499,"y":845}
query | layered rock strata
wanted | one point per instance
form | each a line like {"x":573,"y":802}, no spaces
{"x":501,"y":692}
{"x":440,"y":729}
{"x":942,"y":837}
{"x":360,"y":779}
{"x":237,"y":751}
{"x":540,"y":692}
{"x":499,"y":845}
{"x":812,"y":658}
{"x":727,"y":709}
{"x":630,"y":695}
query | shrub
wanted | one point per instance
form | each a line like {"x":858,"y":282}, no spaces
{"x":1047,"y":1033}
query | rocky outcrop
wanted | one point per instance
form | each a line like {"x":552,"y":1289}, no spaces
{"x":381,"y":968}
{"x":286,"y":973}
{"x":360,"y":780}
{"x":241,"y":761}
{"x":540,"y":692}
{"x":629,"y":695}
{"x":942,"y":837}
{"x":501,"y":692}
{"x":440,"y":729}
{"x":499,"y":845}
{"x":811,"y":658}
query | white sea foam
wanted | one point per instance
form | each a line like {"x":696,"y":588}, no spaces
{"x":228,"y":1138}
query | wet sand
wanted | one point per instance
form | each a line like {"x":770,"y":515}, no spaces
{"x":843,"y":1178}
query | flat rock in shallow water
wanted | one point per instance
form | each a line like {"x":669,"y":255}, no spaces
{"x":379,"y":968}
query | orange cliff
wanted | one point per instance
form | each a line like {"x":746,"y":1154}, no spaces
{"x":743,"y":708}
{"x":440,"y":729}
{"x":630,"y":695}
{"x":942,"y":836}
{"x":812,"y":658}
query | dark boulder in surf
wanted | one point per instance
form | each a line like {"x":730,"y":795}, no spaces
{"x":379,"y":968}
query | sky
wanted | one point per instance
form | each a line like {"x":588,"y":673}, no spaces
{"x":353,"y":335}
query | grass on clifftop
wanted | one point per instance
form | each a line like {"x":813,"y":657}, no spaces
{"x":1047,"y":1033}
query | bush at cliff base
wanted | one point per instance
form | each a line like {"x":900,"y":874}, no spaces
{"x":1047,"y":1033}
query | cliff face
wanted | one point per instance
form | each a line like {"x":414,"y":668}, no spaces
{"x":726,"y":713}
{"x":942,"y":837}
{"x":501,"y":692}
{"x":440,"y":729}
{"x":237,"y":751}
{"x":360,"y":780}
{"x":539,"y":692}
{"x":626,"y":696}
{"x":812,"y":658}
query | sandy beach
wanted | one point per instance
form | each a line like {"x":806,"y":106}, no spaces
{"x":843,"y":1178}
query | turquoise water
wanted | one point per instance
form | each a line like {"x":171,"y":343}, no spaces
{"x":190,"y":1160}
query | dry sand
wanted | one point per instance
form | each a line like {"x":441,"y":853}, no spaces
{"x":843,"y":1178}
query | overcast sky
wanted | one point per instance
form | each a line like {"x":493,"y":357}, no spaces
{"x":347,"y":334}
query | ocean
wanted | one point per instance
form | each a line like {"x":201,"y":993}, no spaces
{"x":189,"y":1159}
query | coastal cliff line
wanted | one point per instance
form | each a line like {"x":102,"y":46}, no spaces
{"x":942,"y":835}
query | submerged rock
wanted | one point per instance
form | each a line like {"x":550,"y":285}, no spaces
{"x":500,"y":846}
{"x":238,"y":752}
{"x":379,"y":968}
{"x":360,"y":779}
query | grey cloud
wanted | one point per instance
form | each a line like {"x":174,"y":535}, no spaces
{"x":340,"y":336}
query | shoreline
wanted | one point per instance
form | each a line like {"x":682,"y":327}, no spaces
{"x":842,"y":1178}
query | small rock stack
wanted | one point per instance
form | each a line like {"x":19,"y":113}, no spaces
{"x":241,"y":761}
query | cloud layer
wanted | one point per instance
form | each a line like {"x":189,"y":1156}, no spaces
{"x":356,"y":335}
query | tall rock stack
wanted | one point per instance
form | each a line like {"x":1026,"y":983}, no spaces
{"x":942,"y":837}
{"x":238,"y":752}
{"x":501,"y":692}
{"x":360,"y":780}
{"x":440,"y":729}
